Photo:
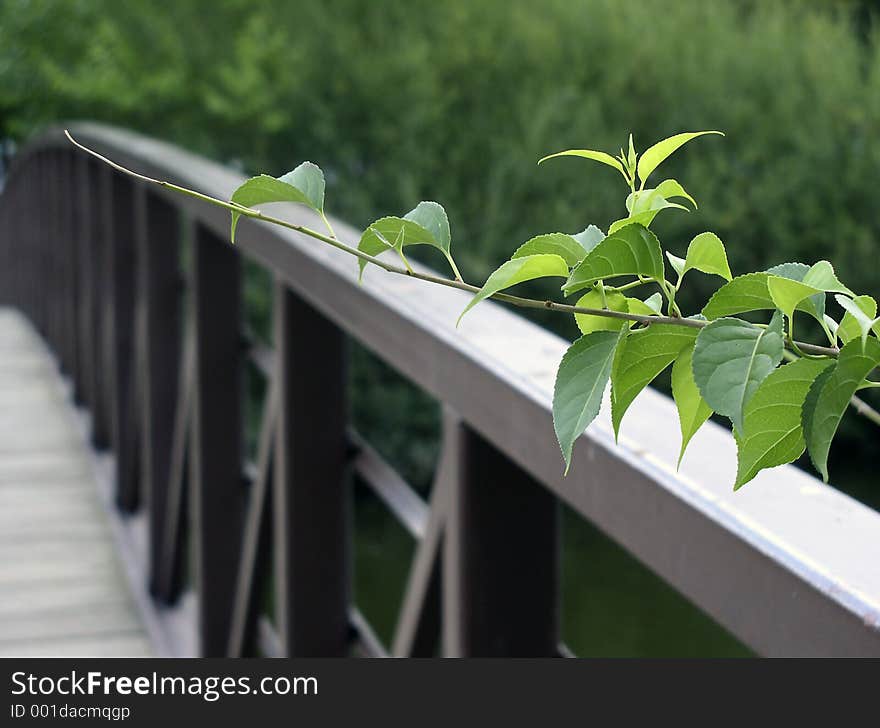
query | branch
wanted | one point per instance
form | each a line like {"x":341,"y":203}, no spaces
{"x":519,"y":301}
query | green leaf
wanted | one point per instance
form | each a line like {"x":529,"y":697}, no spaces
{"x":822,"y":420}
{"x":731,"y":358}
{"x":653,"y":156}
{"x":646,"y":217}
{"x":425,"y":224}
{"x":677,"y":263}
{"x":580,"y":383}
{"x":565,"y":246}
{"x":670,"y":188}
{"x":391,"y":233}
{"x":588,"y":323}
{"x":634,"y":250}
{"x":601,"y":157}
{"x":706,"y":253}
{"x":772,"y":431}
{"x":821,"y":277}
{"x":832,"y":327}
{"x":797,"y":286}
{"x":304,"y":185}
{"x":590,"y":237}
{"x":849,"y":327}
{"x":631,"y":157}
{"x":432,"y":217}
{"x":516,"y":271}
{"x":692,"y":408}
{"x":640,"y":357}
{"x":787,"y":294}
{"x":649,"y":307}
{"x":657,"y":198}
{"x":810,"y":402}
{"x":863,"y":321}
{"x":744,"y":293}
{"x":814,"y":305}
{"x":751,"y":292}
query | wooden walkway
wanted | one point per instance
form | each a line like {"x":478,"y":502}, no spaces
{"x":62,"y":588}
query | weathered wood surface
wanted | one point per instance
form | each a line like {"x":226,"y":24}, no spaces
{"x":62,"y":589}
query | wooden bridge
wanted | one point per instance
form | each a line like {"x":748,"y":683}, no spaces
{"x":132,"y":521}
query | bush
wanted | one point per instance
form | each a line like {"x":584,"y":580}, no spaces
{"x":456,"y":101}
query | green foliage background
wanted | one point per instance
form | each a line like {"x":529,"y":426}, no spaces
{"x":404,"y":100}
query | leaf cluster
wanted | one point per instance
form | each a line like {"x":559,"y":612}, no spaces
{"x":721,"y":362}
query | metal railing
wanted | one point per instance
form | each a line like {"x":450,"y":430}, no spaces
{"x":788,"y":565}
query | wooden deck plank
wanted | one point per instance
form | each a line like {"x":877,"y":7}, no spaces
{"x":129,"y":644}
{"x":62,"y":588}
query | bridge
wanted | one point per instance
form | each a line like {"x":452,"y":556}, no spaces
{"x":132,"y":520}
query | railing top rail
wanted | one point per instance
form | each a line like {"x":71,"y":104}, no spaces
{"x":788,"y":565}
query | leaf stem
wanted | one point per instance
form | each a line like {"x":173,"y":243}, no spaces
{"x":795,"y":346}
{"x":602,"y":297}
{"x":327,"y":223}
{"x":454,"y":267}
{"x":626,"y":286}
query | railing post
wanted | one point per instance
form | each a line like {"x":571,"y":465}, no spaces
{"x":311,"y":493}
{"x":159,"y":333}
{"x":120,"y":306}
{"x":501,"y":557}
{"x":216,"y":462}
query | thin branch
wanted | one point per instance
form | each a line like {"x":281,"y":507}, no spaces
{"x":864,"y":409}
{"x":438,"y":280}
{"x":459,"y":284}
{"x":161,"y":183}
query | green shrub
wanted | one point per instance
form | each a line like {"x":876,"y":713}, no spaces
{"x":456,"y":101}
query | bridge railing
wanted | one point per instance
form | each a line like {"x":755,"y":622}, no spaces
{"x":787,"y":565}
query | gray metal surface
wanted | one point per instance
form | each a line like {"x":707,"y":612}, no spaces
{"x":62,"y":589}
{"x":788,"y":565}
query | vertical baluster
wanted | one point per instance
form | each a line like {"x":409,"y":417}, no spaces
{"x":102,"y":237}
{"x":7,"y":194}
{"x":120,"y":305}
{"x":33,"y":237}
{"x":216,"y":481}
{"x":44,"y":270}
{"x":38,"y":221}
{"x":80,"y":200}
{"x":60,"y":256}
{"x":70,"y":270}
{"x":18,"y":214}
{"x":83,"y":198}
{"x":23,"y":235}
{"x":501,"y":558}
{"x":311,"y":495}
{"x":53,"y":256}
{"x":41,"y":290}
{"x":160,"y":338}
{"x":7,"y":235}
{"x":43,"y":274}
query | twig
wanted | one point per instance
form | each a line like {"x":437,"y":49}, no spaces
{"x":438,"y":280}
